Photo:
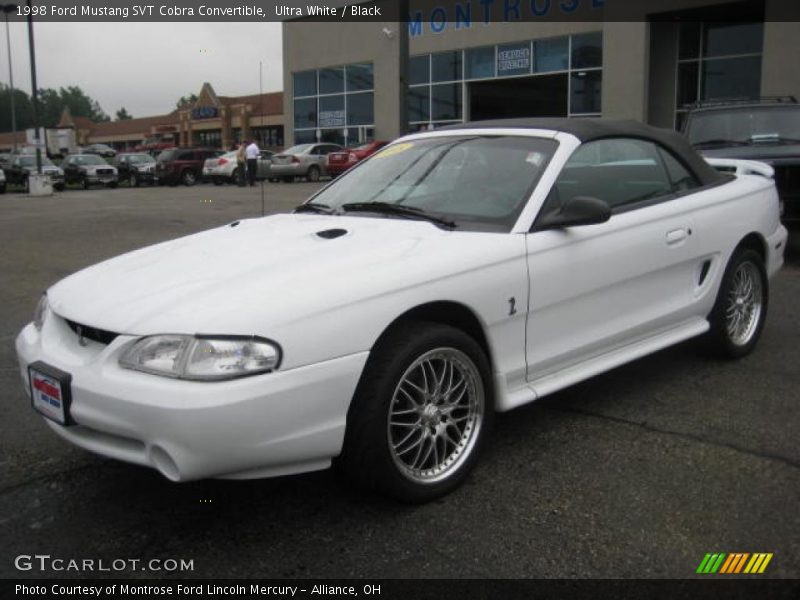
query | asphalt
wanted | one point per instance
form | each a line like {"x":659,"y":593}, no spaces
{"x":636,"y":473}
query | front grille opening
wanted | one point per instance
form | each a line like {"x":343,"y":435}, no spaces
{"x":92,"y":333}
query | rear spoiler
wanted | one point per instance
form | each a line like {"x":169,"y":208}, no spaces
{"x":741,"y":167}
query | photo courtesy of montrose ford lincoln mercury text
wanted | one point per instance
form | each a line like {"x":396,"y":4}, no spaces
{"x":452,"y":274}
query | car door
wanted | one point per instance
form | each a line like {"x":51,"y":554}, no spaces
{"x":597,"y":288}
{"x":70,"y":170}
{"x":264,"y":164}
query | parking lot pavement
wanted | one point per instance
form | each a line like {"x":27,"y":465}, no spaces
{"x":636,"y":473}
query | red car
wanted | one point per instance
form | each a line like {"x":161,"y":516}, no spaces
{"x":339,"y":162}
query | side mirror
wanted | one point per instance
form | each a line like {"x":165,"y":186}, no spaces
{"x":580,"y":210}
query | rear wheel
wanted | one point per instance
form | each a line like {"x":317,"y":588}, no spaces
{"x":288,"y":179}
{"x":85,"y":182}
{"x":737,"y":318}
{"x":312,"y":174}
{"x":421,"y":413}
{"x":188,"y":177}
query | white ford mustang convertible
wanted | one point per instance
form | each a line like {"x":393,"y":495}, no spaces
{"x":453,"y":274}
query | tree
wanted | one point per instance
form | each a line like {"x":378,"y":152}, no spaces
{"x":122,"y":115}
{"x":186,"y":101}
{"x":22,"y":109}
{"x":52,"y":103}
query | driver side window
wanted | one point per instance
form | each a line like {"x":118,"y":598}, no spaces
{"x":620,"y":171}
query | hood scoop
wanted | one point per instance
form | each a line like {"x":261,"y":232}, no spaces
{"x":331,"y":234}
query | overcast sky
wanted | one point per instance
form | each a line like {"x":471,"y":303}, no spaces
{"x":146,"y":67}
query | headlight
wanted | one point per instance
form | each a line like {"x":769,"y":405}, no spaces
{"x":204,"y":358}
{"x":40,"y":313}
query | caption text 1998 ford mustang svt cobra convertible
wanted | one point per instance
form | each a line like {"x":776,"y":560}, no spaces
{"x":453,"y":274}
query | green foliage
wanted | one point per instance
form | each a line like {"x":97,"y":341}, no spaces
{"x":186,"y":101}
{"x":51,"y":104}
{"x":123,"y":115}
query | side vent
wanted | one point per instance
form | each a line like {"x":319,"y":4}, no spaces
{"x":330,"y":234}
{"x":704,"y":271}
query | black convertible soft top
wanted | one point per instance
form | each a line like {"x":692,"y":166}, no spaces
{"x":587,"y":130}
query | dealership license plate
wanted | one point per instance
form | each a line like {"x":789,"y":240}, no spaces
{"x":50,"y":392}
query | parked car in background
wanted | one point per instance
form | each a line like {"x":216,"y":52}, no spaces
{"x":224,"y":168}
{"x":2,"y":182}
{"x":5,"y":159}
{"x":767,"y":130}
{"x":101,"y":150}
{"x":457,"y":273}
{"x":303,"y":160}
{"x":182,"y":165}
{"x":339,"y":162}
{"x":89,"y":170}
{"x":136,"y":168}
{"x":23,"y":165}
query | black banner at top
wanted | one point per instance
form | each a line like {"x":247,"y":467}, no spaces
{"x":430,"y":13}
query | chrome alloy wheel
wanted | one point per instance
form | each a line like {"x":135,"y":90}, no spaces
{"x":435,"y":415}
{"x":745,"y":300}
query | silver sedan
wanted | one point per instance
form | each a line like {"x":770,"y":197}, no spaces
{"x":304,"y":160}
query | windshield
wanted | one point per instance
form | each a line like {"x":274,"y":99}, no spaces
{"x":745,"y":125}
{"x":89,"y":159}
{"x":477,"y":182}
{"x":136,"y":159}
{"x":299,"y":149}
{"x":166,"y":155}
{"x":30,"y":161}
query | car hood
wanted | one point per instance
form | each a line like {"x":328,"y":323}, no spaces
{"x":249,"y":277}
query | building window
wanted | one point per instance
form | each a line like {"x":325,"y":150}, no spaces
{"x":270,"y":136}
{"x":717,"y":61}
{"x":305,"y":84}
{"x":432,"y":102}
{"x":341,"y":107}
{"x":208,"y":139}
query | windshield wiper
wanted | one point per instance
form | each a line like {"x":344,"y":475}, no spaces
{"x":314,"y":207}
{"x":401,"y":210}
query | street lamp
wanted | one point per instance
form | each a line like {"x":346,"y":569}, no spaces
{"x":7,"y":9}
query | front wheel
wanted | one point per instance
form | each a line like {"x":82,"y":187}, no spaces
{"x":421,"y":412}
{"x":188,"y":177}
{"x":740,"y":310}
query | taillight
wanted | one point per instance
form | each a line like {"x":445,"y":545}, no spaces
{"x":295,"y":159}
{"x":222,"y":161}
{"x":352,"y":157}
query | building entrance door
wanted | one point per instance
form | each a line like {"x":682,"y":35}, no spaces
{"x":540,"y":96}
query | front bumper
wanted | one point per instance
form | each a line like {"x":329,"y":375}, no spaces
{"x":273,"y":424}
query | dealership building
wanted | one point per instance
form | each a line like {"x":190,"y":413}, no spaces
{"x":648,"y":60}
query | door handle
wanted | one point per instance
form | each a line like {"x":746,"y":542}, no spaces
{"x":677,"y":235}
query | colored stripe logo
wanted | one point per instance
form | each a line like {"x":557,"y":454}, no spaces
{"x":734,"y":563}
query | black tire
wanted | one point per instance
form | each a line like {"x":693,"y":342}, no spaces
{"x":112,"y":184}
{"x":2,"y":188}
{"x":85,"y":183}
{"x":736,"y":325}
{"x":288,"y":179}
{"x":188,"y":177}
{"x":312,"y":174}
{"x":26,"y":185}
{"x":133,"y":181}
{"x":59,"y":187}
{"x":273,"y":179}
{"x":377,"y":454}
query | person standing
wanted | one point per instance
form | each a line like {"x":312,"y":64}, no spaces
{"x":252,"y":152}
{"x":241,"y":164}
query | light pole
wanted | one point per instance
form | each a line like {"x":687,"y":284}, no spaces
{"x":9,"y":8}
{"x":34,"y":94}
